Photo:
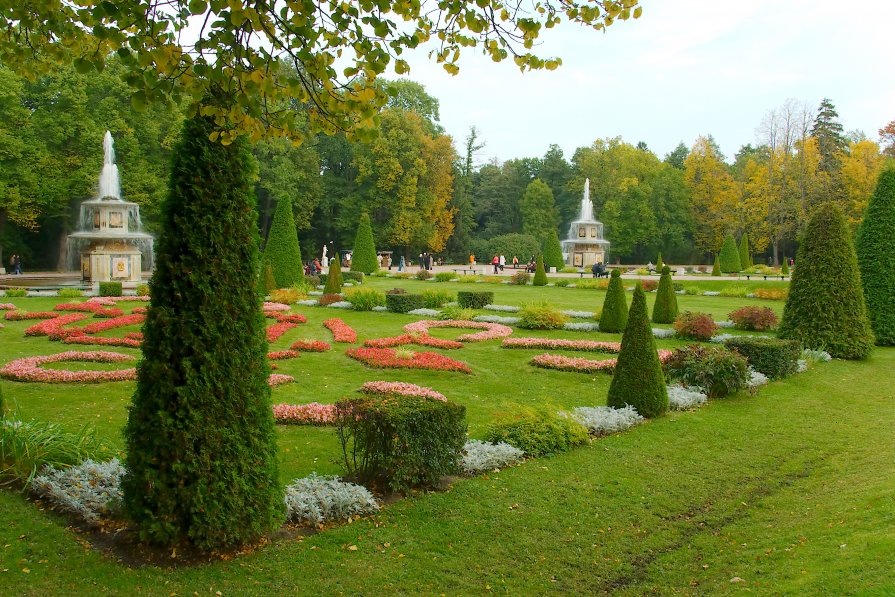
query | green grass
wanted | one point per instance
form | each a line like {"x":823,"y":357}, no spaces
{"x":790,"y":490}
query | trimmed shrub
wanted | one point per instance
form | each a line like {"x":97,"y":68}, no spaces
{"x":287,"y":296}
{"x":142,"y":290}
{"x":404,"y":302}
{"x":538,"y":431}
{"x":423,"y":274}
{"x":716,"y":268}
{"x":474,"y":300}
{"x":745,"y":254}
{"x":773,"y":357}
{"x":876,"y":258}
{"x":434,"y":299}
{"x":400,"y":442}
{"x":734,"y":290}
{"x":201,"y":443}
{"x":758,"y":319}
{"x":784,"y":269}
{"x":714,"y":369}
{"x":479,"y":456}
{"x":457,"y":313}
{"x":825,"y":308}
{"x":282,"y":251}
{"x":317,"y":500}
{"x":541,"y":316}
{"x":363,"y":257}
{"x":553,"y":252}
{"x":15,"y":292}
{"x":695,"y":326}
{"x":266,"y":281}
{"x":603,"y":420}
{"x":353,"y":277}
{"x":326,"y":300}
{"x":660,"y":266}
{"x":522,"y":278}
{"x":70,"y":293}
{"x":445,"y":276}
{"x":638,"y":379}
{"x":665,"y":308}
{"x":333,"y":283}
{"x":364,"y":299}
{"x":614,"y":316}
{"x":110,"y":288}
{"x":649,"y":285}
{"x":729,"y":258}
{"x":540,"y":278}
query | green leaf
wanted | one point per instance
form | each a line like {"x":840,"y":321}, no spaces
{"x":198,"y":7}
{"x":139,"y":101}
{"x":82,"y":65}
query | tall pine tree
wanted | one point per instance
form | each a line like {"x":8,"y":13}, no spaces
{"x":363,"y":256}
{"x":282,"y":251}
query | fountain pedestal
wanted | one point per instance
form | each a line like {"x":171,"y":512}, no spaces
{"x":113,"y":261}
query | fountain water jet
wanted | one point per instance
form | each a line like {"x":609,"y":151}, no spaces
{"x":584,"y":245}
{"x":109,"y":240}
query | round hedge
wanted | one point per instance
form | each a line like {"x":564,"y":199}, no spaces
{"x":614,"y":316}
{"x":876,"y":258}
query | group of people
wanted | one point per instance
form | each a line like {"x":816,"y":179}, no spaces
{"x":426,"y":261}
{"x":499,"y":262}
{"x":15,"y":264}
{"x":599,"y":270}
{"x":313,"y":268}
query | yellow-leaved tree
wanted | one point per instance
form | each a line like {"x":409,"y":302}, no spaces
{"x":713,"y":195}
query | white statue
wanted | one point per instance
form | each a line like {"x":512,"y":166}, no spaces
{"x":324,"y":262}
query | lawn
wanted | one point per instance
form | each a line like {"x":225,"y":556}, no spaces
{"x":789,"y":490}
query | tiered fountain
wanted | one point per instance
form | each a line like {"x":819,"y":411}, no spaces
{"x":109,"y":241}
{"x":585,"y":245}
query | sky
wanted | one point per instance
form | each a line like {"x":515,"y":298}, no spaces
{"x":685,"y":68}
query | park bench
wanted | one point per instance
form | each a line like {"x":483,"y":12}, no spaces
{"x":765,"y":276}
{"x":582,"y":272}
{"x":471,"y":270}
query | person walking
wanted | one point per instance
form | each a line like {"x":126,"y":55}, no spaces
{"x":496,"y":263}
{"x":401,"y":263}
{"x":18,"y":265}
{"x":12,"y":263}
{"x":502,"y":262}
{"x":515,"y":262}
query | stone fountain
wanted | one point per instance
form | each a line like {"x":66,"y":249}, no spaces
{"x":584,"y":245}
{"x":109,"y":239}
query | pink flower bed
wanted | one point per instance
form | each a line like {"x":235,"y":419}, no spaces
{"x":53,"y":327}
{"x":491,"y":330}
{"x":111,"y":300}
{"x":22,"y":315}
{"x":305,"y":414}
{"x":388,"y":358}
{"x":304,"y":345}
{"x":98,"y":310}
{"x":554,"y":361}
{"x":280,"y":355}
{"x":278,"y":379}
{"x":7,"y":307}
{"x":388,"y":388}
{"x":269,"y":306}
{"x":290,"y":317}
{"x":29,"y":368}
{"x":558,"y":344}
{"x":99,"y":340}
{"x":116,"y":322}
{"x":141,"y":310}
{"x":278,"y":329}
{"x":342,"y":332}
{"x":420,"y":339}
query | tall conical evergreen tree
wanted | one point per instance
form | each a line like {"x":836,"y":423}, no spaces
{"x":614,"y":317}
{"x":540,"y":278}
{"x":729,"y":258}
{"x":745,"y":255}
{"x":333,"y":277}
{"x":553,"y":251}
{"x":201,"y":444}
{"x":716,"y":268}
{"x":825,"y":308}
{"x":665,"y":307}
{"x":876,"y":258}
{"x":638,"y":379}
{"x":659,"y":263}
{"x":784,"y":269}
{"x":363,"y":256}
{"x":282,"y":251}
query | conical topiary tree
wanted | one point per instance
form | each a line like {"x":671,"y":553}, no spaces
{"x":282,"y":251}
{"x":745,"y":255}
{"x":716,"y":268}
{"x":266,"y":282}
{"x":729,"y":259}
{"x":784,"y":269}
{"x":200,"y":438}
{"x":540,"y":278}
{"x":638,"y":379}
{"x":363,"y":257}
{"x":659,"y":263}
{"x":333,"y":278}
{"x":876,"y":258}
{"x":825,"y":308}
{"x":553,"y":251}
{"x":614,"y":317}
{"x":665,"y":307}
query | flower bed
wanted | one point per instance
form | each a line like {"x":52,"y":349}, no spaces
{"x":100,"y":341}
{"x":289,"y":317}
{"x":281,"y":355}
{"x":390,"y":388}
{"x":559,"y":344}
{"x":140,"y":310}
{"x":388,"y":358}
{"x":22,"y":315}
{"x":305,"y":414}
{"x":115,"y":322}
{"x":53,"y":327}
{"x":304,"y":345}
{"x":579,"y":365}
{"x":7,"y":307}
{"x":29,"y":368}
{"x":270,"y":306}
{"x":491,"y":330}
{"x":278,"y":329}
{"x":419,"y":339}
{"x":278,"y":379}
{"x":97,"y":309}
{"x":342,"y":332}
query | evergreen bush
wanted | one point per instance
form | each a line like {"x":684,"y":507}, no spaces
{"x":333,"y":284}
{"x":784,"y":269}
{"x":729,"y":258}
{"x":538,"y":432}
{"x":541,"y":316}
{"x":553,"y":252}
{"x":282,"y":251}
{"x":267,"y":281}
{"x":716,"y":268}
{"x":349,"y":276}
{"x":745,"y":253}
{"x":474,"y":300}
{"x":404,"y":302}
{"x":665,"y":308}
{"x":714,"y":369}
{"x":695,"y":326}
{"x":614,"y":316}
{"x":540,"y":278}
{"x":638,"y":379}
{"x":659,"y":263}
{"x":773,"y":357}
{"x":201,"y":445}
{"x":363,"y":258}
{"x":876,"y":258}
{"x":825,"y":309}
{"x":110,"y":288}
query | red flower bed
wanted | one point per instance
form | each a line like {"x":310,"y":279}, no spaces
{"x":280,"y":355}
{"x":304,"y":345}
{"x":116,"y":322}
{"x":491,"y":330}
{"x":420,"y":339}
{"x":560,"y":344}
{"x":98,"y":309}
{"x":305,"y":414}
{"x":53,"y":327}
{"x":277,"y":379}
{"x":342,"y":332}
{"x":278,"y":329}
{"x":579,"y":365}
{"x":134,"y":335}
{"x":99,"y":340}
{"x":388,"y":358}
{"x":22,"y":315}
{"x":291,"y":317}
{"x":29,"y":368}
{"x":142,"y":310}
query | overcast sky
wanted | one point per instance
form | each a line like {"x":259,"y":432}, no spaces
{"x":685,"y":68}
